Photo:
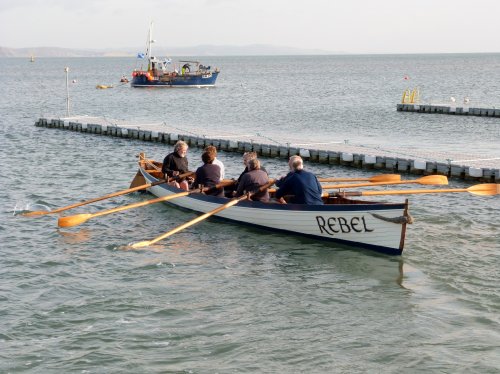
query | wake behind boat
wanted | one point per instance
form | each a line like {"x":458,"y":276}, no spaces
{"x":165,"y":73}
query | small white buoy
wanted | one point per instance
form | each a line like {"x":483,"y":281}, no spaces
{"x":475,"y":172}
{"x":304,"y":153}
{"x":348,"y":157}
{"x":74,"y":80}
{"x":369,"y":159}
{"x":420,"y":164}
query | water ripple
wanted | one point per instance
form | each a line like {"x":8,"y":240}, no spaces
{"x":224,"y":298}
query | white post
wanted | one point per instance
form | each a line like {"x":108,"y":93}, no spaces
{"x":66,"y":69}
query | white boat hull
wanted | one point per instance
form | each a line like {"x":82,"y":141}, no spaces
{"x":367,"y":225}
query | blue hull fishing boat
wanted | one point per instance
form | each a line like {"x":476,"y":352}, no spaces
{"x":165,"y":73}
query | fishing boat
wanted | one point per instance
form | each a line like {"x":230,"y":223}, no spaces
{"x":166,"y":73}
{"x":370,"y":225}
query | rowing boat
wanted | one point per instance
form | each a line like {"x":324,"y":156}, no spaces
{"x":369,"y":225}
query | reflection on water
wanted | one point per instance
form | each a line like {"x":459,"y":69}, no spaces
{"x":80,"y":236}
{"x":156,"y":248}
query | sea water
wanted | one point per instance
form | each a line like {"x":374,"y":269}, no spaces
{"x":223,"y":298}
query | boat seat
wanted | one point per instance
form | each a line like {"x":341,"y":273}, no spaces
{"x":155,"y":173}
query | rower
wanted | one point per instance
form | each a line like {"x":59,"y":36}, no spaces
{"x":176,"y":163}
{"x":301,"y":184}
{"x":253,"y":180}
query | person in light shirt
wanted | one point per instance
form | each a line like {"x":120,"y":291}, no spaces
{"x":216,"y":161}
{"x":208,"y":175}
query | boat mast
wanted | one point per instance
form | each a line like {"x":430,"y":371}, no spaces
{"x":66,"y":69}
{"x":148,"y":44}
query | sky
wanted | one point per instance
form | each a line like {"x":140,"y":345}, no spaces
{"x":337,"y":26}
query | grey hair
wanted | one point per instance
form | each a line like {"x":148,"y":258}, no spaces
{"x":247,"y":156}
{"x":296,"y":163}
{"x":253,"y":164}
{"x":180,"y":144}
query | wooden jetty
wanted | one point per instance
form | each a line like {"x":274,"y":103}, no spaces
{"x":335,"y":153}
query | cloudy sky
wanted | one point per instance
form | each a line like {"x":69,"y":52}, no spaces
{"x":348,"y":26}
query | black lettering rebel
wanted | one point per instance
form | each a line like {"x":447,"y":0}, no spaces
{"x":335,"y":225}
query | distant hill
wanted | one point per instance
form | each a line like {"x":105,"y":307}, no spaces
{"x":201,"y":50}
{"x":47,"y":52}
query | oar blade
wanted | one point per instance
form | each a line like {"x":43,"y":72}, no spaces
{"x":385,"y":178}
{"x":35,"y":213}
{"x":142,"y":244}
{"x":75,"y":220}
{"x":433,"y":180}
{"x":485,"y":189}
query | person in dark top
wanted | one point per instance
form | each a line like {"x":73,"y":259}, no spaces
{"x":231,"y":189}
{"x":302,"y":185}
{"x":176,"y":163}
{"x":247,"y":156}
{"x":208,"y":175}
{"x":252,"y":180}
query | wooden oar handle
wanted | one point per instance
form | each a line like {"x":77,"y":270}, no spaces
{"x":376,"y":178}
{"x":181,"y":176}
{"x":264,"y":187}
{"x":216,"y":187}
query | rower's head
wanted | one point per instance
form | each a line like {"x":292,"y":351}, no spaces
{"x":181,"y":148}
{"x":295,"y":163}
{"x":253,"y":164}
{"x":247,"y":156}
{"x":207,"y":157}
{"x":211,"y":149}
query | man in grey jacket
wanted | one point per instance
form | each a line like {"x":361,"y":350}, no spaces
{"x":253,"y":180}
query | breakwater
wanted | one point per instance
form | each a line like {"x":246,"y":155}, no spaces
{"x":449,"y":109}
{"x":344,"y":154}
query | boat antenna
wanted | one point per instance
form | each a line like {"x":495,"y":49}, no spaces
{"x":66,"y":69}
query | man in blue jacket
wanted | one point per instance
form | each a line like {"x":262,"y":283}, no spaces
{"x":302,"y":185}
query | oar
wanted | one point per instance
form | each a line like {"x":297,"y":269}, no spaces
{"x":123,"y":192}
{"x":201,"y":218}
{"x":374,"y":179}
{"x":485,"y":189}
{"x":428,"y":180}
{"x":78,"y":219}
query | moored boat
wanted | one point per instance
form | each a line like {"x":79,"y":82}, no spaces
{"x":371,"y":225}
{"x":165,"y":73}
